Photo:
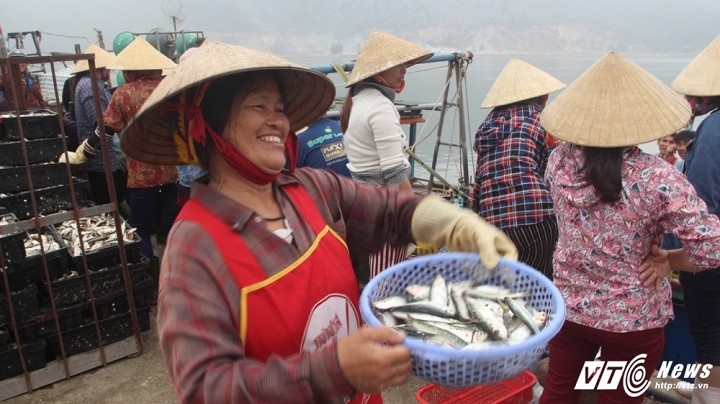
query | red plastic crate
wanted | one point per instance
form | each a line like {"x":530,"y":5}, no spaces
{"x":518,"y":390}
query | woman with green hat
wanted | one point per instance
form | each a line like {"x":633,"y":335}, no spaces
{"x":258,"y":300}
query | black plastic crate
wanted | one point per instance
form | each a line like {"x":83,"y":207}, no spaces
{"x":49,"y":200}
{"x":69,"y":290}
{"x":112,"y":329}
{"x":117,"y":302}
{"x":43,"y":324}
{"x":33,"y":353}
{"x":4,"y":337}
{"x":13,"y":247}
{"x":31,"y":270}
{"x":36,"y":124}
{"x":38,"y":151}
{"x":100,"y":239}
{"x":25,"y":303}
{"x":14,"y":179}
{"x":109,"y":256}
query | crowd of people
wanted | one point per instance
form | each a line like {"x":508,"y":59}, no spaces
{"x":272,"y":236}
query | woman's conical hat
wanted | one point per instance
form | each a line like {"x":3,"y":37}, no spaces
{"x":140,"y":55}
{"x":519,"y":81}
{"x":702,"y":76}
{"x":383,"y":51}
{"x":615,"y":103}
{"x":102,"y":59}
{"x":159,"y":129}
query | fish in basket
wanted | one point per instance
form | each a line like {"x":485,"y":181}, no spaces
{"x":466,"y":325}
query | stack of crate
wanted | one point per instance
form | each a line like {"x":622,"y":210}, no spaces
{"x":43,"y":146}
{"x":20,"y":299}
{"x":107,"y":286}
{"x":33,"y":298}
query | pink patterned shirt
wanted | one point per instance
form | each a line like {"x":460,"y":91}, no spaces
{"x":601,"y":245}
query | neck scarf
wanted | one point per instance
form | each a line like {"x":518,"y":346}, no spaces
{"x":388,"y":92}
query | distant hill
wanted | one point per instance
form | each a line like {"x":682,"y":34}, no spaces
{"x":484,"y":26}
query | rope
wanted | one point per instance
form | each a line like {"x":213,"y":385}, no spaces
{"x":339,"y":69}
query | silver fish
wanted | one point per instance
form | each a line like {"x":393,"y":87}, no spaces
{"x":426,"y":307}
{"x":440,"y":332}
{"x":522,"y":313}
{"x":439,"y":291}
{"x":389,"y":302}
{"x":487,"y":320}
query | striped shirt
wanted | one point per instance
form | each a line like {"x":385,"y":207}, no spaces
{"x":199,"y":302}
{"x":512,"y":155}
{"x":86,"y":119}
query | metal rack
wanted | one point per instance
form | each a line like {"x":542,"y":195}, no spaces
{"x":66,"y":366}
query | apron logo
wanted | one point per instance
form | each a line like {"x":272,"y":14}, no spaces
{"x":330,"y":319}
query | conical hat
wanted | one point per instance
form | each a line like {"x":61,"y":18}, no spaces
{"x":383,"y":51}
{"x":702,"y":76}
{"x":519,"y":81}
{"x":102,"y":59}
{"x":615,"y":103}
{"x":140,"y":55}
{"x":151,"y":136}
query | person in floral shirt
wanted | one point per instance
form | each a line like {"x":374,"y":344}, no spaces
{"x":151,"y":189}
{"x":30,"y":94}
{"x":613,"y":203}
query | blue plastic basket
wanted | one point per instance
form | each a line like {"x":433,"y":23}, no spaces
{"x":458,"y":368}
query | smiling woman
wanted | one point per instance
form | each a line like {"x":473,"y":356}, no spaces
{"x":239,"y":109}
{"x":258,"y":293}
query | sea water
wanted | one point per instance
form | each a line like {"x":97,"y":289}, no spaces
{"x":425,"y":84}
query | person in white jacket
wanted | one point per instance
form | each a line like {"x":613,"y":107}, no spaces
{"x":374,"y":141}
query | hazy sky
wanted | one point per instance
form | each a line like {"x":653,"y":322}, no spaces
{"x":652,"y":25}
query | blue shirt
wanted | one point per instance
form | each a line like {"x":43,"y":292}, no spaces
{"x":187,"y":173}
{"x":702,"y":165}
{"x":321,"y":146}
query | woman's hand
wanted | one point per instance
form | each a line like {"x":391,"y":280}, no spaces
{"x":374,"y":359}
{"x":439,"y":222}
{"x":654,"y":268}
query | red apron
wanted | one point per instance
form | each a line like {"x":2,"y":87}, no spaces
{"x":276,"y":316}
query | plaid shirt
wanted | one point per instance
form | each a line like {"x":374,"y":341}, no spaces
{"x":512,"y":156}
{"x":199,"y":301}
{"x":86,"y":120}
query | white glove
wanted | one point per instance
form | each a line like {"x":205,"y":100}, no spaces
{"x":76,"y":157}
{"x":439,"y":222}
